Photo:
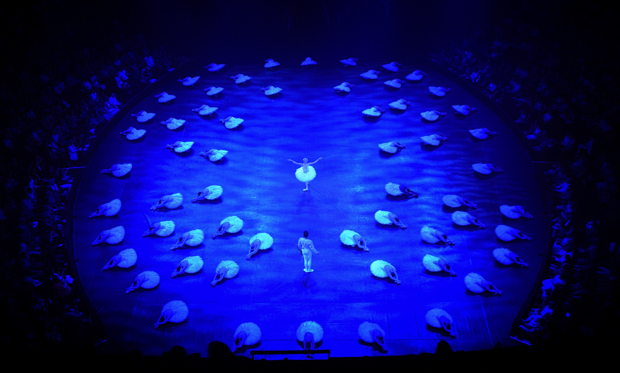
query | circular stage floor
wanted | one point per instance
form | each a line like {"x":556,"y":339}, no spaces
{"x":309,"y":119}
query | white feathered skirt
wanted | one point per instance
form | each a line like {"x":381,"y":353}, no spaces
{"x":304,"y":177}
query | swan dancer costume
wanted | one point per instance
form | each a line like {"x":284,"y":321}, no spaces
{"x":305,"y":173}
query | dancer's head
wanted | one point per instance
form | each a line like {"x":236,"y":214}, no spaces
{"x":305,"y":160}
{"x":305,"y":234}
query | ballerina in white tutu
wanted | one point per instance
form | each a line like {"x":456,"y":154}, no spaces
{"x":433,"y":140}
{"x":173,"y":123}
{"x":247,"y":334}
{"x":374,"y":111}
{"x":370,"y":75}
{"x":514,"y":212}
{"x":344,"y":87}
{"x":189,"y":81}
{"x":416,"y":76}
{"x":438,"y":91}
{"x":482,"y":133}
{"x":143,"y":116}
{"x":392,"y":66}
{"x":400,"y":104}
{"x":214,"y":155}
{"x":305,"y":173}
{"x":432,"y":115}
{"x":270,"y":63}
{"x":485,"y":168}
{"x":464,"y":109}
{"x":240,"y":78}
{"x":213,"y":91}
{"x":394,"y":83}
{"x":180,"y":146}
{"x":271,"y":90}
{"x":215,"y":67}
{"x":133,"y":134}
{"x":205,"y":110}
{"x":231,"y":122}
{"x":308,"y":62}
{"x":349,"y":62}
{"x":165,"y":97}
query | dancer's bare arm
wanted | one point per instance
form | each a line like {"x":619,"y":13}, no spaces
{"x":315,"y":161}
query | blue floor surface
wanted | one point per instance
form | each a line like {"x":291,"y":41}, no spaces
{"x":309,"y":119}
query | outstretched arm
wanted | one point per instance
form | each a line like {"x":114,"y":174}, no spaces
{"x":316,"y":160}
{"x":296,"y":162}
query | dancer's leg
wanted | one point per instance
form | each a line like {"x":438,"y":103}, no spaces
{"x":309,"y":263}
{"x":305,"y":190}
{"x":305,"y":255}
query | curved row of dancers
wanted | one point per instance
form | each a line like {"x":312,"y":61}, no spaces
{"x":309,"y":333}
{"x":177,"y":311}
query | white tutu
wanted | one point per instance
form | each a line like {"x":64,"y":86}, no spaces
{"x":308,"y":62}
{"x":108,"y":209}
{"x":438,"y":91}
{"x":374,"y":111}
{"x":175,"y":311}
{"x":133,"y":134}
{"x":464,"y":109}
{"x":191,"y":264}
{"x":165,"y":97}
{"x":370,"y":75}
{"x":125,"y":259}
{"x":161,"y":229}
{"x":394,"y":83}
{"x":309,"y":327}
{"x":215,"y":67}
{"x":213,"y":91}
{"x":145,"y":280}
{"x":191,"y":238}
{"x":392,"y":66}
{"x":111,"y":236}
{"x":240,"y":78}
{"x":231,"y":122}
{"x":143,"y":116}
{"x":367,"y":331}
{"x":343,"y":87}
{"x":266,"y":241}
{"x":432,"y":317}
{"x":305,"y":177}
{"x":271,"y":63}
{"x":400,"y":104}
{"x":189,"y":81}
{"x":173,"y":123}
{"x":433,"y":140}
{"x":415,"y":76}
{"x":432,"y":115}
{"x":271,"y":90}
{"x":513,"y":212}
{"x":181,"y":146}
{"x":252,"y":332}
{"x":481,"y":133}
{"x":217,"y":155}
{"x":205,"y":110}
